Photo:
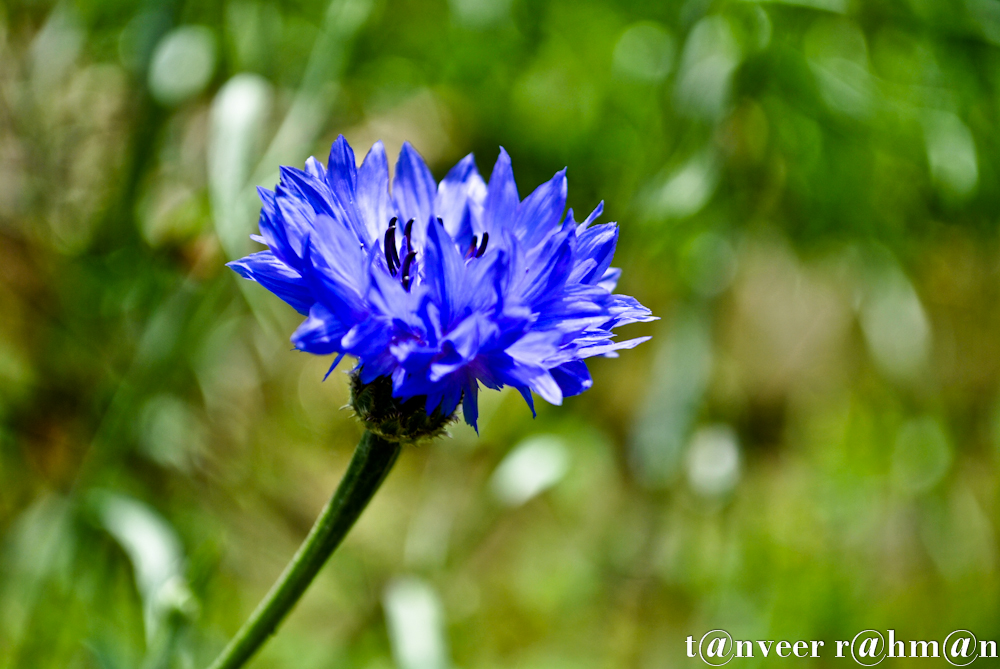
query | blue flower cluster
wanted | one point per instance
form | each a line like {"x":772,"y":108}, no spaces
{"x":441,"y":287}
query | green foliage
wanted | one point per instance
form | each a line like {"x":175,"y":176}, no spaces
{"x":807,"y":448}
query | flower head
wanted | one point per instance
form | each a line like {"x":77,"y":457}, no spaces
{"x":441,"y":287}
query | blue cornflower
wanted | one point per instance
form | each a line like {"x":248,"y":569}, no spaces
{"x":441,"y":287}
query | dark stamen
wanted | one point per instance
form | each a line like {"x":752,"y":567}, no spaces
{"x":440,"y":221}
{"x":406,"y":233}
{"x":482,"y":249}
{"x":391,"y":257}
{"x":472,"y":247}
{"x":407,"y":262}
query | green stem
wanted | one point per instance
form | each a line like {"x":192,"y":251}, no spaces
{"x":371,"y":463}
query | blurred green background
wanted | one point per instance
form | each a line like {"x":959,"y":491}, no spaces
{"x":808,"y":447}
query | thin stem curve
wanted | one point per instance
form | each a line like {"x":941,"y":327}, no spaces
{"x":369,"y":466}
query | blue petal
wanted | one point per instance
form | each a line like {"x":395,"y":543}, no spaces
{"x":272,"y":229}
{"x":336,"y":265}
{"x":315,"y":169}
{"x":413,"y":187}
{"x":598,"y":244}
{"x":502,"y":199}
{"x":610,"y":279}
{"x":343,"y":174}
{"x":459,"y":194}
{"x":387,"y":297}
{"x":608,"y":349}
{"x":528,"y":365}
{"x":526,"y":394}
{"x":573,"y":377}
{"x":267,"y":270}
{"x":598,"y":210}
{"x":539,"y":380}
{"x":342,"y":179}
{"x":374,"y":205}
{"x":372,"y":367}
{"x":309,"y":189}
{"x":461,"y":345}
{"x":452,"y":396}
{"x":297,"y":217}
{"x":550,"y":270}
{"x":336,"y":361}
{"x":321,"y":332}
{"x":625,"y":309}
{"x":540,"y":213}
{"x":367,"y":335}
{"x":444,"y":271}
{"x":576,"y":309}
{"x":470,"y":405}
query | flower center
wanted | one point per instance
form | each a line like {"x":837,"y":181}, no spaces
{"x":407,"y":267}
{"x":473,"y":251}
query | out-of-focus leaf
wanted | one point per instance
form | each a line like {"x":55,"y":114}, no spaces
{"x":156,"y":554}
{"x":679,"y":378}
{"x":532,"y":467}
{"x":183,"y":63}
{"x":239,"y":112}
{"x":415,"y":619}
